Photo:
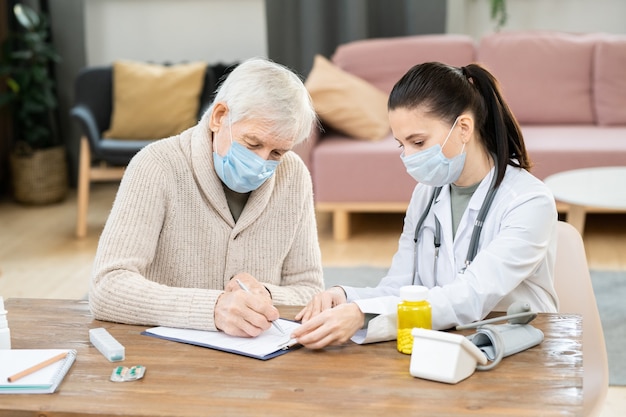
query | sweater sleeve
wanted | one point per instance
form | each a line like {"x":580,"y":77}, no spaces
{"x":119,"y":290}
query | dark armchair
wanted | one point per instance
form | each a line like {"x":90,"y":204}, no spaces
{"x":102,"y":159}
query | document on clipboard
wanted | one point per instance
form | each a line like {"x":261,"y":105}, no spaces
{"x":267,"y":345}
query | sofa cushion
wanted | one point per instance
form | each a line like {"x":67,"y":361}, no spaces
{"x":610,"y":80}
{"x":559,"y":148}
{"x":346,"y":102}
{"x":345,"y":170}
{"x":545,"y":76}
{"x":382,"y":62}
{"x":153,"y":101}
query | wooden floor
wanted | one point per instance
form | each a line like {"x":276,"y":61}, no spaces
{"x":41,"y":258}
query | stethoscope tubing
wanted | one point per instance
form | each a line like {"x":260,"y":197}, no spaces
{"x":472,"y":249}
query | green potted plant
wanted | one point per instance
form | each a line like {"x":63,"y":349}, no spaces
{"x":499,"y":13}
{"x":37,"y":159}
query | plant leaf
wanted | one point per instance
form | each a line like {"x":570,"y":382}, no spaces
{"x":26,"y":16}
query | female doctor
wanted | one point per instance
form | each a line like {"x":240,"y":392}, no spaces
{"x":480,"y":230}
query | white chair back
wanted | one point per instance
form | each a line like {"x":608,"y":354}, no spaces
{"x":573,"y":286}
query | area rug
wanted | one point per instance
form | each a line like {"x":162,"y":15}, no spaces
{"x":609,"y":288}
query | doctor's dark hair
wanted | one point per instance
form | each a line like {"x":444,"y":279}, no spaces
{"x":446,"y":92}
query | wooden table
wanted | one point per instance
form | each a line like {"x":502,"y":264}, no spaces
{"x":351,"y":380}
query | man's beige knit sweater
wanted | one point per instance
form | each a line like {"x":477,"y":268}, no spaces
{"x":170,"y":243}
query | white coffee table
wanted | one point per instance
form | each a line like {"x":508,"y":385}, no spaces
{"x":586,"y":190}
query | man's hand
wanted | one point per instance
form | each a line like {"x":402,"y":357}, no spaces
{"x":254,"y":286}
{"x":330,"y":298}
{"x":241,"y":313}
{"x":330,"y":327}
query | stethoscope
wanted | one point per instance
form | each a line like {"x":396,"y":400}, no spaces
{"x":478,"y":226}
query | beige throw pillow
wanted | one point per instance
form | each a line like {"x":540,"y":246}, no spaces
{"x":346,"y":102}
{"x":152,"y":101}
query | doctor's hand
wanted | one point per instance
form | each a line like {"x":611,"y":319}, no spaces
{"x":325,"y":300}
{"x":245,"y":314}
{"x":334,"y":326}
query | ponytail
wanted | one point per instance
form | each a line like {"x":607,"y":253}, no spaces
{"x":500,"y":131}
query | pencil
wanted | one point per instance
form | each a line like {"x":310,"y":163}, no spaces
{"x":37,"y":367}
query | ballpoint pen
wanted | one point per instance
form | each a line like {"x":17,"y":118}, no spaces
{"x":274,"y":323}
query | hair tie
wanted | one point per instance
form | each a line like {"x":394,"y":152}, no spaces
{"x":466,"y":74}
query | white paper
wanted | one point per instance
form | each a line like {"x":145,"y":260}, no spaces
{"x":266,"y":343}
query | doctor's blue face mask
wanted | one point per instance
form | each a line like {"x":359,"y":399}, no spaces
{"x":432,"y":167}
{"x":241,"y":169}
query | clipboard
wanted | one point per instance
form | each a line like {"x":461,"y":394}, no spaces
{"x":43,"y":381}
{"x":267,"y":345}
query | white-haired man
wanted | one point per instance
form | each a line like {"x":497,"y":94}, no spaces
{"x":223,"y":201}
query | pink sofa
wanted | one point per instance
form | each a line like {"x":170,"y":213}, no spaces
{"x":568,"y":92}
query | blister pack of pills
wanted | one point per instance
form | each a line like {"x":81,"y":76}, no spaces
{"x":124,"y":373}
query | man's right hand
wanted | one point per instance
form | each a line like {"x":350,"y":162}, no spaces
{"x":244,"y":314}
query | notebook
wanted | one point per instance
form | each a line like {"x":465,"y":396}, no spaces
{"x":267,"y":345}
{"x":42,"y":381}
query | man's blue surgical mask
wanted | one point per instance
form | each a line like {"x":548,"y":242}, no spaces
{"x":432,"y":167}
{"x":241,"y":169}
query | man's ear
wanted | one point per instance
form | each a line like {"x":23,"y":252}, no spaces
{"x":218,"y":116}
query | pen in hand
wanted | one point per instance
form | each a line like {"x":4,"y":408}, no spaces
{"x":274,"y":323}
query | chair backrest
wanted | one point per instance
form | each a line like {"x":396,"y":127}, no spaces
{"x":573,"y":286}
{"x":94,"y":90}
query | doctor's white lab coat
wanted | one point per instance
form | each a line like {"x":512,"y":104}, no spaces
{"x":515,"y":259}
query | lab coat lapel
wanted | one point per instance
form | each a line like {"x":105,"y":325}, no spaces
{"x":443,"y":212}
{"x":481,"y":192}
{"x":466,"y":225}
{"x":453,"y":250}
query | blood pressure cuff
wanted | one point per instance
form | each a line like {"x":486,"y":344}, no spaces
{"x":498,"y":341}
